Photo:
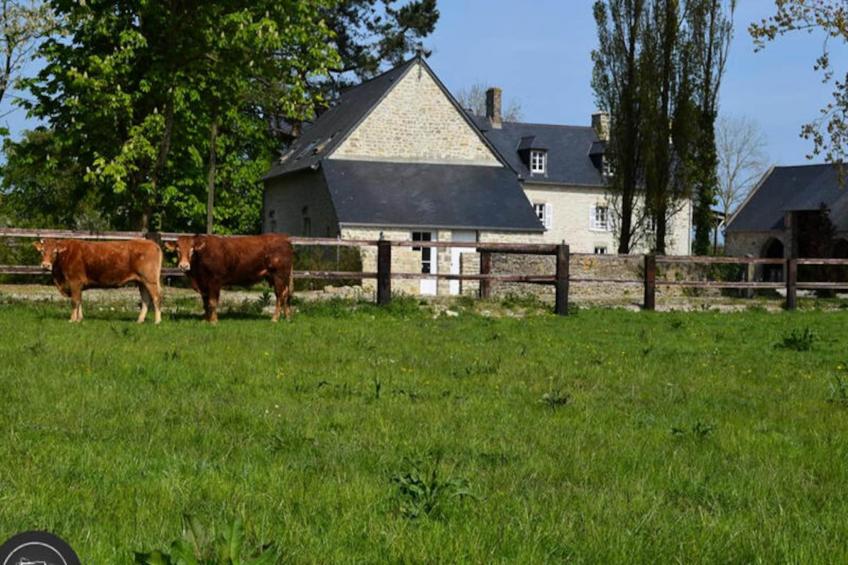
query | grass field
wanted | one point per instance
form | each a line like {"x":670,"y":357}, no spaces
{"x":362,"y":435}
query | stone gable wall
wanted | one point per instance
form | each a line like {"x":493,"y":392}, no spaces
{"x":416,"y":122}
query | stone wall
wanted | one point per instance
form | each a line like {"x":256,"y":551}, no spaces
{"x":416,"y":122}
{"x":291,"y":198}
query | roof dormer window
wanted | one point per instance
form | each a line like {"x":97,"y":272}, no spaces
{"x":538,"y":162}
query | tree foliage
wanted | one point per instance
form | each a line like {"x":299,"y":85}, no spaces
{"x":153,"y":111}
{"x":616,"y":81}
{"x":658,"y":69}
{"x":829,"y":132}
{"x":23,"y":24}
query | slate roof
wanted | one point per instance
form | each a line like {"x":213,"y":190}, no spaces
{"x":798,"y":188}
{"x":569,"y":150}
{"x":321,"y":137}
{"x":428,"y":195}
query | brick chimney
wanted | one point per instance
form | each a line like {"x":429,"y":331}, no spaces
{"x":600,"y":123}
{"x":493,"y":106}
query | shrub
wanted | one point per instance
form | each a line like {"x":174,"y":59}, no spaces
{"x":198,"y":547}
{"x":323,"y":258}
{"x":798,"y":340}
{"x":423,"y":491}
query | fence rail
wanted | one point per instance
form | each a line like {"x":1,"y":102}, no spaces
{"x":560,"y":279}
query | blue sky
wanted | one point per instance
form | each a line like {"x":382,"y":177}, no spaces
{"x":538,"y":51}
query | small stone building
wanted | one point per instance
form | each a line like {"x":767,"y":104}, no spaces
{"x":809,"y":196}
{"x":397,"y":156}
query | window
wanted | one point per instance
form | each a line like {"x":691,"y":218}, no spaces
{"x":272,"y":220}
{"x":606,"y":166}
{"x":544,"y":212}
{"x":538,"y":162}
{"x":600,"y":250}
{"x":651,"y":224}
{"x":427,"y":255}
{"x":599,"y":218}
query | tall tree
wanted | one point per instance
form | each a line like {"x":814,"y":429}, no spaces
{"x":711,"y":25}
{"x":740,"y":146}
{"x":829,"y":132}
{"x":132,"y":98}
{"x":473,"y":98}
{"x":617,"y":86}
{"x":367,"y":35}
{"x":23,"y":25}
{"x":669,"y":115}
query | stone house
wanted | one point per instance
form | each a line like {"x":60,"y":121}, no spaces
{"x":398,"y":156}
{"x":783,"y":209}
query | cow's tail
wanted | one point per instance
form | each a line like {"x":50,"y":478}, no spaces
{"x":158,"y":276}
{"x":291,"y":286}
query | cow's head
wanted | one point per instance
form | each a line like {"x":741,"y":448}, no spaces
{"x":49,"y":249}
{"x":186,"y":246}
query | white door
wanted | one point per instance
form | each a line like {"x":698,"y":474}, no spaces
{"x":456,"y":252}
{"x":429,"y":263}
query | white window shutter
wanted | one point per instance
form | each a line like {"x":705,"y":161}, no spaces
{"x":592,"y":217}
{"x":549,"y":214}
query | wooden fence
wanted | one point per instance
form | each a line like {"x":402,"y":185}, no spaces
{"x":560,"y":279}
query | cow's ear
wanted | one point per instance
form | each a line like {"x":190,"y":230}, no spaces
{"x":199,"y":245}
{"x":39,"y":246}
{"x":61,"y":248}
{"x":171,"y":245}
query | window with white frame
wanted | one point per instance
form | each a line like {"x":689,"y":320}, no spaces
{"x":599,"y":218}
{"x":544,"y":212}
{"x":651,"y":224}
{"x":600,"y":250}
{"x":538,"y":162}
{"x":427,"y":254}
{"x":606,"y":166}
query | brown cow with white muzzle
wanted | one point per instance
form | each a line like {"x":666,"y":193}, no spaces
{"x":213,"y":262}
{"x":78,"y":265}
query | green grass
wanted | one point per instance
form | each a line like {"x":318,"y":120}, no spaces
{"x":370,"y":436}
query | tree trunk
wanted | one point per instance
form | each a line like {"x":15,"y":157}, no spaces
{"x":210,"y":175}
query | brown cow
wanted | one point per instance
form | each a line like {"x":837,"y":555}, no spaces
{"x":78,"y":265}
{"x":214,"y":261}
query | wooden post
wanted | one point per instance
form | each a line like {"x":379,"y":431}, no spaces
{"x":562,"y":271}
{"x":384,"y":271}
{"x":650,"y":282}
{"x":485,"y":269}
{"x":154,"y":236}
{"x":791,"y":283}
{"x":750,"y":276}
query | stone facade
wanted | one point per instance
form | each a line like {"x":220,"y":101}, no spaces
{"x":298,"y":203}
{"x":744,"y":244}
{"x":571,"y":209}
{"x":416,"y":122}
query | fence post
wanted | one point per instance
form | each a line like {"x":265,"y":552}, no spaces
{"x":650,"y":282}
{"x":791,"y":283}
{"x":485,"y":269}
{"x":562,"y":273}
{"x":154,"y":236}
{"x":384,"y":271}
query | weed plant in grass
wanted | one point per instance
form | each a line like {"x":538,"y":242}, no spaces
{"x":356,"y":434}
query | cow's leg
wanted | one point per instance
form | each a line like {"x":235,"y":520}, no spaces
{"x":76,"y":304}
{"x":214,"y":295}
{"x":154,"y":295}
{"x":204,"y":295}
{"x":145,"y":302}
{"x":279,"y":292}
